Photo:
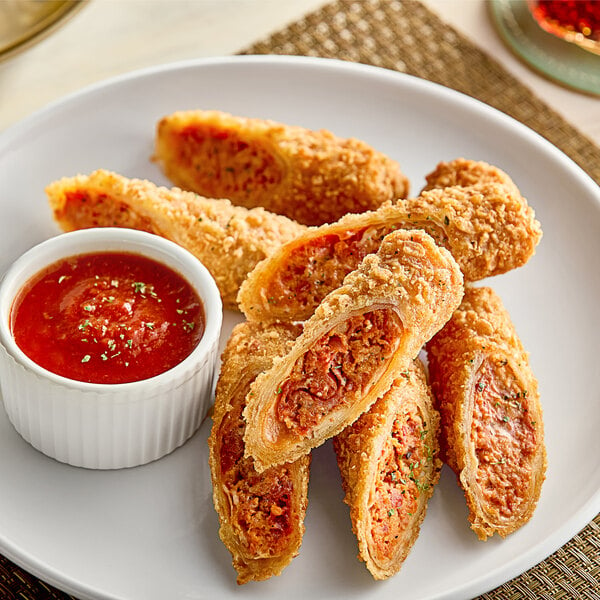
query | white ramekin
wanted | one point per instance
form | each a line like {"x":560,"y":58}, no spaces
{"x":108,"y":426}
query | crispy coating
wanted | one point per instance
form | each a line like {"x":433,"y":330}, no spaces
{"x":389,"y":464}
{"x":492,"y":432}
{"x":488,"y":228}
{"x":352,"y":347}
{"x":313,"y":177}
{"x":229,"y":240}
{"x":464,"y":172}
{"x":261,"y":515}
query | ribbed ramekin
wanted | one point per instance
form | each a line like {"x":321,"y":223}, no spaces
{"x":108,"y":426}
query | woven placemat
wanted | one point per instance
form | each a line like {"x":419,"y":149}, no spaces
{"x":408,"y":37}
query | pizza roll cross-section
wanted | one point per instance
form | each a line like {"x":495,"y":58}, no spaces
{"x":389,"y":464}
{"x":261,"y":515}
{"x":229,"y":240}
{"x":352,"y":347}
{"x":492,"y":432}
{"x":313,"y":177}
{"x":488,"y":228}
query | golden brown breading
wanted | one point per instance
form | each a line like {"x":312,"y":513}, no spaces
{"x":261,"y":515}
{"x":488,"y":228}
{"x":352,"y":347}
{"x":313,"y":177}
{"x":492,"y":431}
{"x":464,"y":172}
{"x":389,"y":464}
{"x":229,"y":240}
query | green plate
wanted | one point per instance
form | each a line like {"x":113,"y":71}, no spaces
{"x":555,"y":58}
{"x":25,"y":22}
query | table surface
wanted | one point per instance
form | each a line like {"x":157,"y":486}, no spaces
{"x":109,"y":37}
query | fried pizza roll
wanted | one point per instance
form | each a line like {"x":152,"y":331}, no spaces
{"x":261,"y":515}
{"x":352,"y":347}
{"x":488,"y":229}
{"x":389,"y":464}
{"x":313,"y":177}
{"x":229,"y":240}
{"x":492,"y":432}
{"x":464,"y":172}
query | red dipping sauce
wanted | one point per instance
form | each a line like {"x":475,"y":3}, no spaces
{"x":107,"y":318}
{"x":577,"y":16}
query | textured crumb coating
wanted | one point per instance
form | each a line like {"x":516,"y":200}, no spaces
{"x":389,"y":463}
{"x":492,"y":432}
{"x":464,"y":172}
{"x":229,"y":240}
{"x":313,"y":177}
{"x":488,"y":228}
{"x":261,"y":515}
{"x":387,"y":309}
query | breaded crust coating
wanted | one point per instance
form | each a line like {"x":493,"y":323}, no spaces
{"x":389,"y":464}
{"x":261,"y":515}
{"x":352,"y":348}
{"x":313,"y":177}
{"x":229,"y":240}
{"x":488,"y":228}
{"x":492,"y":432}
{"x":464,"y":172}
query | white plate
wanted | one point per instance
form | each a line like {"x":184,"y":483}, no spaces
{"x":150,"y":533}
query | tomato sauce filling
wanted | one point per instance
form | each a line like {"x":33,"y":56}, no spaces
{"x":225,"y":164}
{"x":314,"y":269}
{"x":337,"y":368}
{"x":404,"y":472}
{"x":260,"y":504}
{"x":107,"y":318}
{"x":84,"y":209}
{"x":504,"y":437}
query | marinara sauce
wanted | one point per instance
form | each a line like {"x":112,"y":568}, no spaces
{"x":107,"y":318}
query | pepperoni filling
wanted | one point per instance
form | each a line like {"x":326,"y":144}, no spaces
{"x":260,"y":504}
{"x":504,"y":437}
{"x":84,"y":209}
{"x":337,"y":369}
{"x":404,"y":471}
{"x":314,"y":269}
{"x":225,"y":164}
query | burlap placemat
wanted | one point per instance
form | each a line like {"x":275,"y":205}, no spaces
{"x":408,"y":37}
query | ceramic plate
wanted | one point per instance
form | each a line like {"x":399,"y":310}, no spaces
{"x":150,"y":533}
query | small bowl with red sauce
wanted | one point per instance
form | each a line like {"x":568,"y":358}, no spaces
{"x":108,"y":346}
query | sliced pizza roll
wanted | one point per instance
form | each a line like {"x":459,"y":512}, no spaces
{"x":492,"y":432}
{"x":389,"y":464}
{"x":313,"y":177}
{"x":261,"y":515}
{"x":229,"y":240}
{"x":464,"y":172}
{"x":352,"y":347}
{"x":488,"y":229}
